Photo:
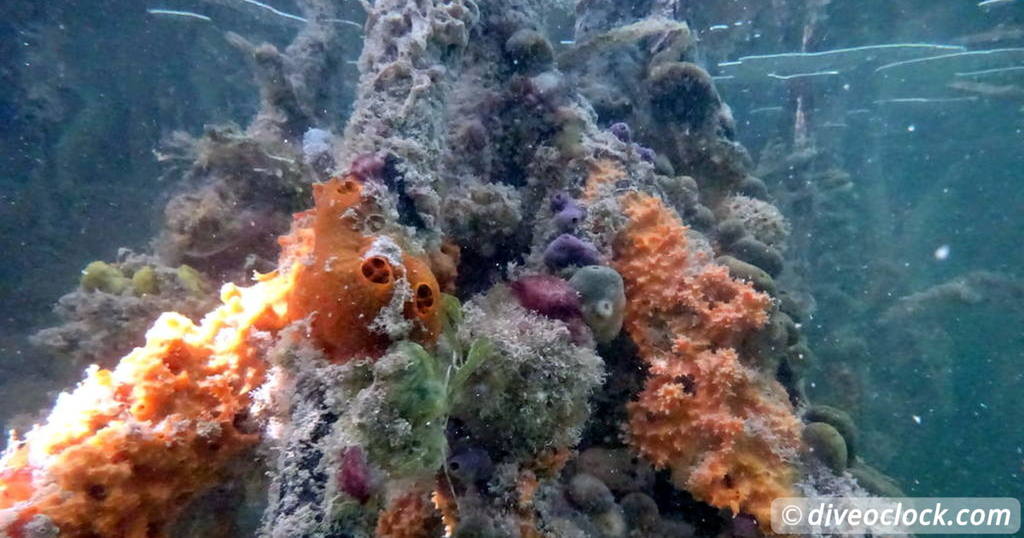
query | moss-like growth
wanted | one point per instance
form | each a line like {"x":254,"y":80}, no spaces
{"x":144,"y":282}
{"x":102,"y":276}
{"x":533,"y":395}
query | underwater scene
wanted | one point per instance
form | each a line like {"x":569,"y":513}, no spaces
{"x":505,"y":268}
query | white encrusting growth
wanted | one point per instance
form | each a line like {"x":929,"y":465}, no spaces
{"x":178,"y":13}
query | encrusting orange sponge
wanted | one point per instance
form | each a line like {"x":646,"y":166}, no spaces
{"x":727,"y":431}
{"x":121,"y":455}
{"x":412,"y":515}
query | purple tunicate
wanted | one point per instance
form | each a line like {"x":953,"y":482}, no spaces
{"x":471,"y":466}
{"x":354,"y":475}
{"x":569,"y":216}
{"x":744,"y":526}
{"x":559,"y":201}
{"x":621,"y":131}
{"x":547,"y":295}
{"x":646,"y":154}
{"x":568,"y":250}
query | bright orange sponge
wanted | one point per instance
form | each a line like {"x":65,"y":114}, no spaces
{"x":121,"y":455}
{"x":726,"y":430}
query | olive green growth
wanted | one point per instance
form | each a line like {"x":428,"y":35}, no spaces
{"x":825,"y":443}
{"x":191,"y":280}
{"x":838,"y":419}
{"x":602,"y":299}
{"x":101,"y":276}
{"x":144,"y":282}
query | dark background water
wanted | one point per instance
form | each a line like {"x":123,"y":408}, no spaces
{"x":88,"y":90}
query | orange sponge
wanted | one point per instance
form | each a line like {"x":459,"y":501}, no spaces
{"x":344,"y":285}
{"x":726,"y":430}
{"x":123,"y":453}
